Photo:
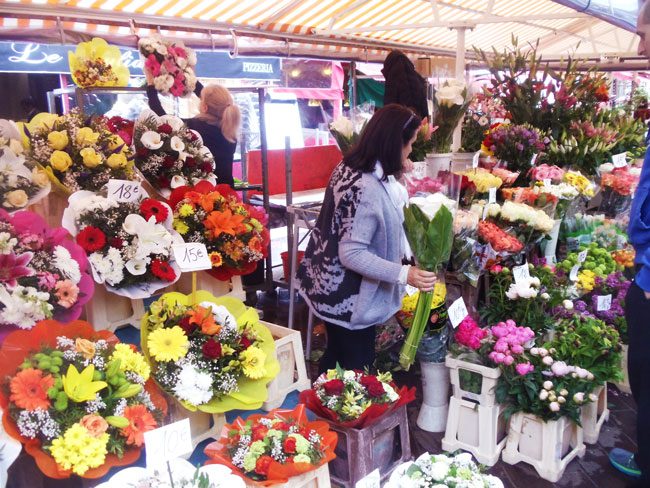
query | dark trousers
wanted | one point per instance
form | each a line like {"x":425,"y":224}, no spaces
{"x":637,"y":314}
{"x":351,"y":349}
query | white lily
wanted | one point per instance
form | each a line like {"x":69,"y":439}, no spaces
{"x":152,"y":238}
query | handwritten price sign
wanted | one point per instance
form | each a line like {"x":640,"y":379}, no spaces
{"x":521,"y":273}
{"x":604,"y":303}
{"x":168,"y":442}
{"x":619,"y":160}
{"x":124,"y":191}
{"x":475,"y":159}
{"x":573,"y":275}
{"x":582,"y":256}
{"x":457,"y":312}
{"x":492,"y":195}
{"x":192,"y":256}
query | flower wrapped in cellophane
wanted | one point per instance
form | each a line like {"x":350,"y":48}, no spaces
{"x":211,"y":354}
{"x":43,"y":273}
{"x":78,"y":153}
{"x":21,"y":182}
{"x":169,"y":154}
{"x":96,"y":63}
{"x":618,"y":187}
{"x":172,"y":65}
{"x":78,"y":400}
{"x":354,"y":399}
{"x":129,"y":244}
{"x":233,"y":232}
{"x":269,"y":449}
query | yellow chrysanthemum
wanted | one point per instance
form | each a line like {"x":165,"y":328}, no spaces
{"x":253,"y":360}
{"x":131,"y":360}
{"x":586,"y":280}
{"x":168,"y":344}
{"x":409,"y":302}
{"x":186,"y":210}
{"x":181,"y":227}
{"x":77,"y":450}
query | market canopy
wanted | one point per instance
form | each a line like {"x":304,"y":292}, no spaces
{"x":353,"y":29}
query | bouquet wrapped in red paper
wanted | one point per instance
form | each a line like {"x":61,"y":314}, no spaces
{"x":269,"y":449}
{"x":78,"y":400}
{"x":233,"y":232}
{"x":353,"y":399}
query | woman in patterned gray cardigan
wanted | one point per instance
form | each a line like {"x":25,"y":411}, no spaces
{"x":352,"y":275}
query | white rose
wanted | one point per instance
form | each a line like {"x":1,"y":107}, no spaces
{"x":151,"y":140}
{"x":439,"y":471}
{"x":545,"y":296}
{"x":177,"y":144}
{"x":136,"y":267}
{"x":554,"y":406}
{"x":177,"y":181}
{"x":349,"y":376}
{"x":561,"y":400}
{"x":564,"y":392}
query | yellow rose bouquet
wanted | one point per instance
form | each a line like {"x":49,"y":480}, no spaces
{"x":78,"y":154}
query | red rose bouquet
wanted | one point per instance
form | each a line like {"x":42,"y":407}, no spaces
{"x":269,"y":449}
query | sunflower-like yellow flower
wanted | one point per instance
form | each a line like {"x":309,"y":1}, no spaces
{"x":253,"y":360}
{"x":186,"y":210}
{"x":168,"y":344}
{"x":131,"y":360}
{"x":180,"y":227}
{"x":78,"y":450}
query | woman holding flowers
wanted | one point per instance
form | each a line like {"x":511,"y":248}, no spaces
{"x":352,"y":275}
{"x":218,"y":123}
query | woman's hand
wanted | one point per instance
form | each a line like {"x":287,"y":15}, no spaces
{"x":424,"y":280}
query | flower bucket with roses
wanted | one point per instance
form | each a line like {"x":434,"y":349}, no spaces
{"x":233,"y":232}
{"x":211,"y":354}
{"x":43,"y":273}
{"x":21,"y":183}
{"x":129,"y":244}
{"x":96,"y":63}
{"x":78,"y":153}
{"x":169,"y":154}
{"x":269,"y":449}
{"x":450,"y":103}
{"x":353,"y":399}
{"x":78,"y":400}
{"x":172,"y":65}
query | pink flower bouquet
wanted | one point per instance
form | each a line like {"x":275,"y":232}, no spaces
{"x":172,"y":65}
{"x":43,"y":273}
{"x":547,"y":172}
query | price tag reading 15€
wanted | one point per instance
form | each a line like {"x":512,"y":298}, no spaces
{"x":168,"y":442}
{"x":124,"y":191}
{"x":192,"y":256}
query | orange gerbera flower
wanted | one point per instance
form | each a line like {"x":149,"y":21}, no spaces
{"x":140,"y":421}
{"x":29,"y":389}
{"x":255,"y":244}
{"x":224,"y":223}
{"x":216,"y":259}
{"x":203,"y":318}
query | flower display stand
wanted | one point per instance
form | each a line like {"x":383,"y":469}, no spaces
{"x":293,"y":373}
{"x":435,"y":397}
{"x":383,"y":445}
{"x":475,"y":422}
{"x":205,"y":282}
{"x":548,"y":446}
{"x":317,"y":478}
{"x":594,"y":415}
{"x":109,"y":311}
{"x":624,"y":385}
{"x":51,"y":208}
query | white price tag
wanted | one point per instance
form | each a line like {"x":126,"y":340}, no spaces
{"x":533,"y":159}
{"x":168,"y":442}
{"x":521,"y":273}
{"x":573,"y":275}
{"x":619,"y":160}
{"x":547,"y":182}
{"x":411,"y":290}
{"x":582,"y":256}
{"x":492,"y":195}
{"x":124,"y":191}
{"x":373,"y":480}
{"x":457,"y":311}
{"x":192,"y":256}
{"x":475,"y":159}
{"x":604,"y":303}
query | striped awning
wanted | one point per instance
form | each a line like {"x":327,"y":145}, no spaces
{"x":356,"y":29}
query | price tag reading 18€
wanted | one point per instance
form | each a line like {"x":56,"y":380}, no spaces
{"x":168,"y":442}
{"x":124,"y":191}
{"x":619,"y":160}
{"x":192,"y":256}
{"x":604,"y":303}
{"x":521,"y":273}
{"x":457,"y":311}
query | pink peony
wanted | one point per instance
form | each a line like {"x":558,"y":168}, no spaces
{"x":524,"y":368}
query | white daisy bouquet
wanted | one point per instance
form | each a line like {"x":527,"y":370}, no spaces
{"x":212,"y":355}
{"x":172,"y":65}
{"x":170,"y":155}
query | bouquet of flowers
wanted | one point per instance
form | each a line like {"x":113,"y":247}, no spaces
{"x":546,"y":172}
{"x":212,"y":355}
{"x":269,"y":449}
{"x":423,"y":144}
{"x":95,"y":63}
{"x":598,"y":263}
{"x":21,"y":183}
{"x":537,"y":196}
{"x":450,"y":103}
{"x":78,"y":154}
{"x":528,"y":224}
{"x":580,"y":182}
{"x":77,"y":399}
{"x":618,"y":186}
{"x":498,"y":239}
{"x":433,"y":471}
{"x":43,"y":274}
{"x":354,"y":399}
{"x":171,"y":64}
{"x":232,"y":231}
{"x":464,"y":252}
{"x":129,"y":245}
{"x":482,"y":179}
{"x":515,"y":145}
{"x":170,"y":155}
{"x":409,"y":304}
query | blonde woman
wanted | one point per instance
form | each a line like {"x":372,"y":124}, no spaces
{"x":218,"y":123}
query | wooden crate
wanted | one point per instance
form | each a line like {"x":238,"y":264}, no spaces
{"x":202,"y":425}
{"x":109,"y":311}
{"x":51,"y":208}
{"x":293,"y":373}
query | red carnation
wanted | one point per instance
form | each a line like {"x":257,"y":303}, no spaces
{"x":153,"y":208}
{"x":259,"y":432}
{"x":187,"y":327}
{"x":334,"y":387}
{"x":162,"y":270}
{"x":376,"y":390}
{"x":165,"y":129}
{"x":263,"y":464}
{"x":290,"y":445}
{"x":91,"y":239}
{"x":116,"y":242}
{"x":142,"y":152}
{"x":206,"y":167}
{"x":169,"y":161}
{"x":211,"y":349}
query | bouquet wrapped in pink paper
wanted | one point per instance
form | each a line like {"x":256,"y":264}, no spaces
{"x":172,"y":65}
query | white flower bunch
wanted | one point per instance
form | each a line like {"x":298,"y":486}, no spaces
{"x":23,"y":306}
{"x":563,"y":191}
{"x":343,"y":126}
{"x":432,"y":203}
{"x":524,"y":289}
{"x":193,"y":386}
{"x":451,"y":93}
{"x":520,"y":212}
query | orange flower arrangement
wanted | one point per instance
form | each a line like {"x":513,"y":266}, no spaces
{"x":204,"y":318}
{"x":140,"y":421}
{"x":29,"y":389}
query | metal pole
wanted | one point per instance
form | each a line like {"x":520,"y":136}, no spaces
{"x":459,"y":75}
{"x":288,"y":195}
{"x":265,"y":183}
{"x":353,"y":91}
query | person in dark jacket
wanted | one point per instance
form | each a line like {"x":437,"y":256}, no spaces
{"x":404,"y":85}
{"x":218,"y":123}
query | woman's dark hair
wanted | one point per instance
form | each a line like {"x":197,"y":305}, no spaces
{"x":383,"y":139}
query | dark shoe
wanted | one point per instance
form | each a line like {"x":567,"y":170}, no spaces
{"x":624,"y":461}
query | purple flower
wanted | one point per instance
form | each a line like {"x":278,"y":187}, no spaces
{"x":519,"y":146}
{"x":14,"y":266}
{"x":580,"y":306}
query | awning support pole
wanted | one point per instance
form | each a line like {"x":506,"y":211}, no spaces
{"x":459,"y":75}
